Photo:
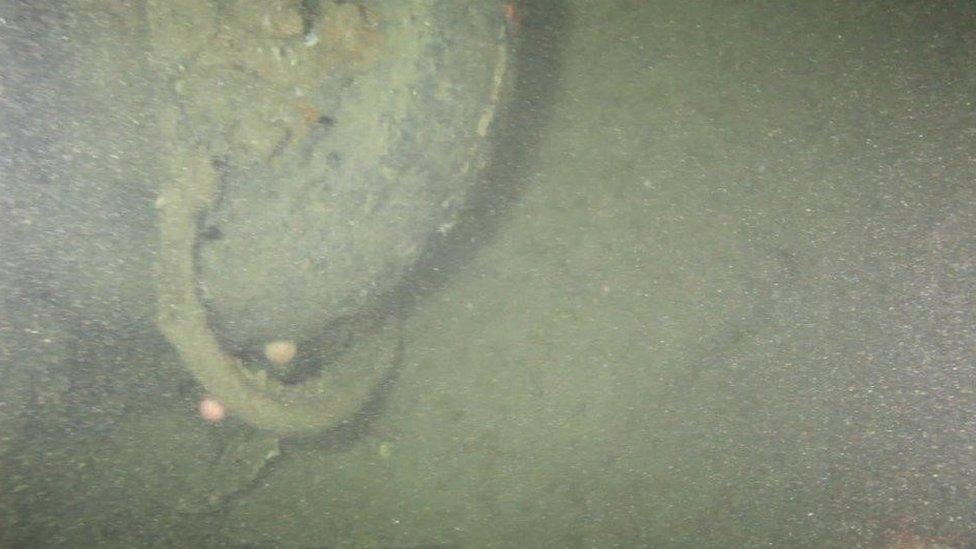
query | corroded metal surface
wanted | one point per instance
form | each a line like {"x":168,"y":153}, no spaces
{"x":309,"y":151}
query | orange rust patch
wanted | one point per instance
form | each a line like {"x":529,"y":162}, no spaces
{"x":309,"y":113}
{"x":513,"y":15}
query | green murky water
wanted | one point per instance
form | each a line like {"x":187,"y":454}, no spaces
{"x":729,"y":303}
